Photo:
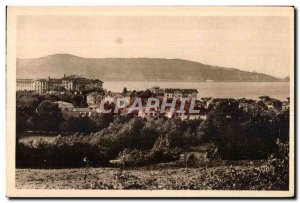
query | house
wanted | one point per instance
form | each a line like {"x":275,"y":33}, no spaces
{"x":285,"y":105}
{"x":203,"y":117}
{"x":151,"y":113}
{"x":195,"y":116}
{"x":40,"y":86}
{"x":95,"y":108}
{"x":156,"y":90}
{"x":112,"y":97}
{"x":184,"y":116}
{"x":175,"y":114}
{"x":54,"y":83}
{"x":24,"y":84}
{"x":78,"y":82}
{"x":82,"y":112}
{"x":180,"y":93}
{"x":65,"y":106}
{"x":168,"y":113}
{"x":274,"y":104}
{"x":270,"y":106}
{"x":94,"y":98}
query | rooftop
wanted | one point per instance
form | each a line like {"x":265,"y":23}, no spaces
{"x":25,"y":80}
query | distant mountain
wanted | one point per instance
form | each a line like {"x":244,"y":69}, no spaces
{"x":133,"y":69}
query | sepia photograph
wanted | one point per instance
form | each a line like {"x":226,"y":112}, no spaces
{"x":150,"y":101}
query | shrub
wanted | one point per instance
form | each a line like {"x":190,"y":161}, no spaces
{"x":48,"y":116}
{"x":59,"y":155}
{"x":162,"y":151}
{"x":78,"y":124}
{"x":134,"y":158}
{"x":241,"y":134}
{"x":272,"y":175}
{"x":213,"y":153}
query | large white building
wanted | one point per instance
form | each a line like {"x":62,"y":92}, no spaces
{"x":177,"y":93}
{"x":24,"y":84}
{"x":39,"y":86}
{"x":189,"y":94}
{"x":72,"y":82}
{"x":77,"y":82}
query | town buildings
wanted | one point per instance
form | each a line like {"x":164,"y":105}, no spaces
{"x":78,"y":82}
{"x":112,"y":97}
{"x":156,"y":90}
{"x":286,"y":104}
{"x":65,"y":106}
{"x":90,"y":102}
{"x":94,"y":98}
{"x":71,"y":82}
{"x":177,"y":93}
{"x":39,"y":86}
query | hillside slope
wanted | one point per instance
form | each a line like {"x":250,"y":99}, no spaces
{"x":133,"y":69}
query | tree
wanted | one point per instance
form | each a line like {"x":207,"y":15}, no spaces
{"x":48,"y":116}
{"x":52,"y":97}
{"x":26,"y":104}
{"x":77,"y":124}
{"x":59,"y":88}
{"x":124,"y":90}
{"x":79,"y":101}
{"x":239,"y":134}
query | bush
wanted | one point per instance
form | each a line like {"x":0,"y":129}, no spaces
{"x":162,"y":151}
{"x":160,"y":138}
{"x":48,"y":116}
{"x":280,"y":163}
{"x":134,"y":158}
{"x":272,"y":175}
{"x":78,"y":124}
{"x":213,"y":153}
{"x":236,"y":135}
{"x":241,"y":134}
{"x":59,"y":155}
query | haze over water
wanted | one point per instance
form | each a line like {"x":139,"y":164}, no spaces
{"x":249,"y":90}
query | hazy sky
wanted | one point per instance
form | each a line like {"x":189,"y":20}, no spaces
{"x":258,"y":44}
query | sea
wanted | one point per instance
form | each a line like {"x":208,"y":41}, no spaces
{"x":237,"y":90}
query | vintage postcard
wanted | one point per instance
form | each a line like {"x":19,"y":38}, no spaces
{"x":150,"y":102}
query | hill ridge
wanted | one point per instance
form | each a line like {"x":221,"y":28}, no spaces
{"x":133,"y":69}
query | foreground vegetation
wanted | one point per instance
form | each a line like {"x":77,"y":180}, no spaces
{"x":194,"y":154}
{"x":218,"y":175}
{"x":234,"y":133}
{"x":190,"y":168}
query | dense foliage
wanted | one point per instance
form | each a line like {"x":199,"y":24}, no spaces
{"x":244,"y":135}
{"x":270,"y":174}
{"x":233,"y":133}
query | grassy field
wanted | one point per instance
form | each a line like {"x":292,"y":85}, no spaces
{"x":161,"y":176}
